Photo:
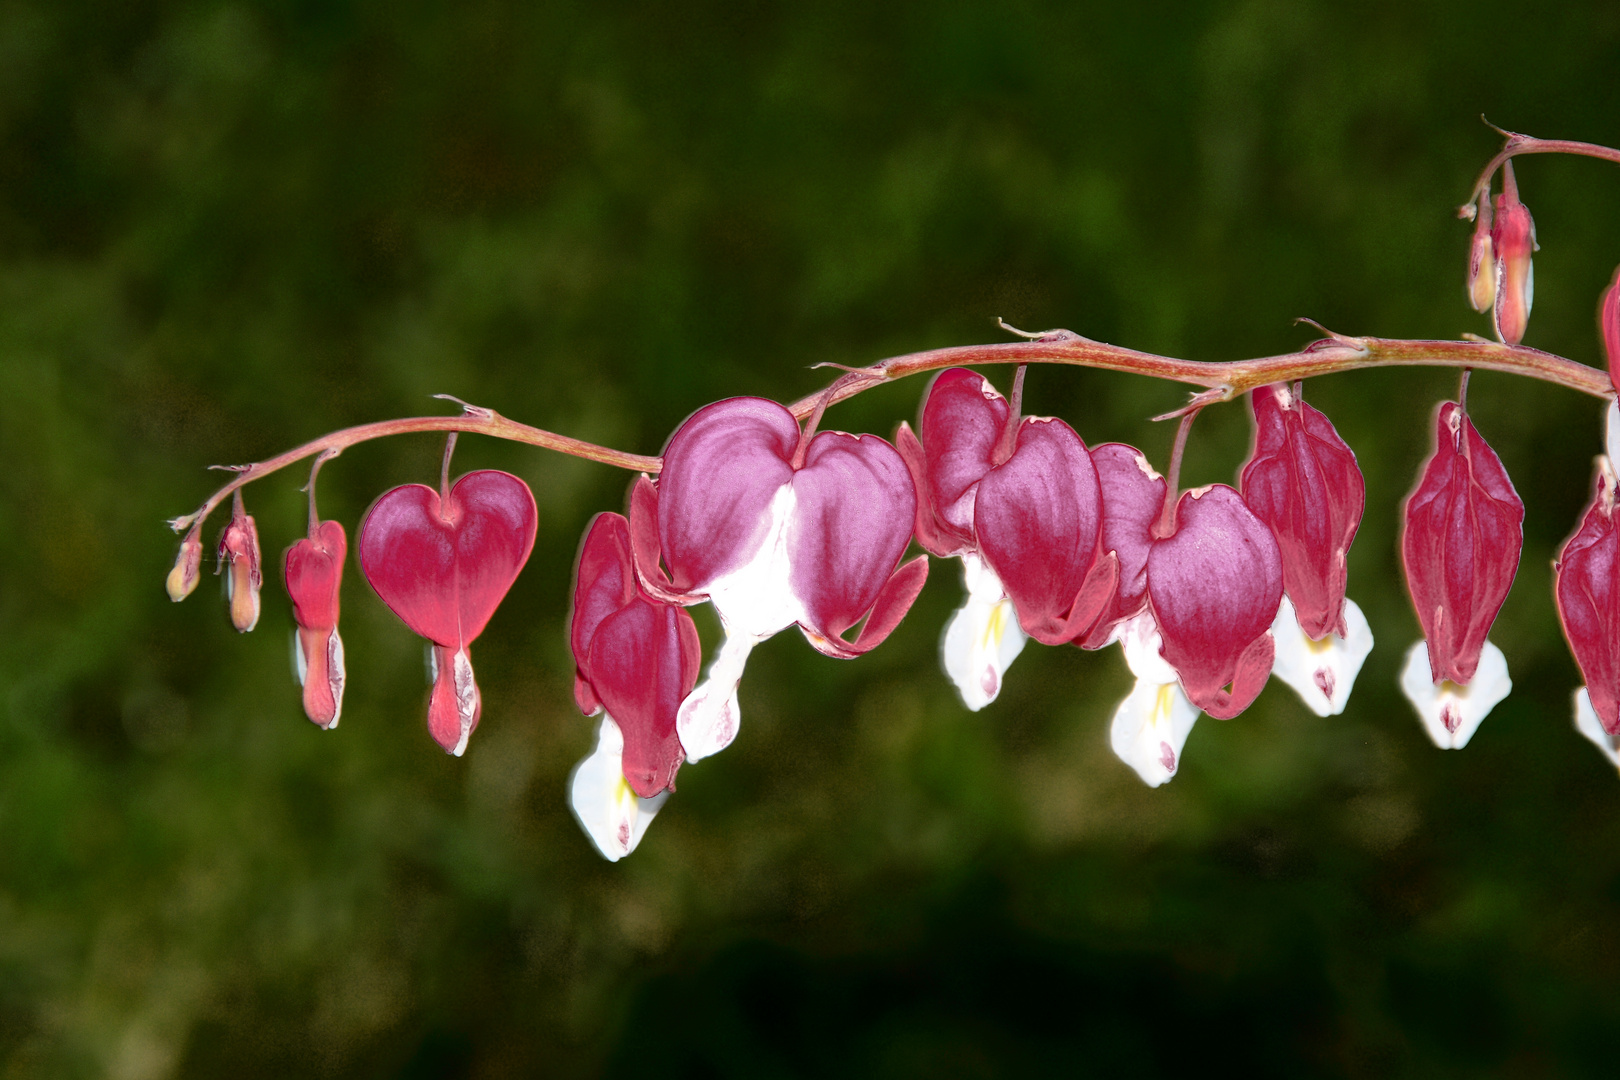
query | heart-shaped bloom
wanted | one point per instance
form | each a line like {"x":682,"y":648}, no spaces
{"x":1152,"y":724}
{"x":1215,"y":585}
{"x":1513,"y":238}
{"x":1022,"y":498}
{"x":239,"y":560}
{"x":443,"y":566}
{"x":1460,"y":544}
{"x":314,"y":573}
{"x":1587,"y":588}
{"x":1609,"y":327}
{"x":774,"y":529}
{"x":635,"y":659}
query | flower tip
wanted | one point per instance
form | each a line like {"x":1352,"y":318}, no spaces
{"x":1452,"y":712}
{"x":182,"y":580}
{"x":613,"y":816}
{"x":1588,"y":724}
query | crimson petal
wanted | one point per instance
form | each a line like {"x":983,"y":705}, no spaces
{"x":1302,"y":480}
{"x":1037,"y":524}
{"x":1215,"y":585}
{"x":1587,"y":574}
{"x":1460,"y":544}
{"x":721,"y":470}
{"x":1132,"y":499}
{"x":444,"y":570}
{"x":962,"y":421}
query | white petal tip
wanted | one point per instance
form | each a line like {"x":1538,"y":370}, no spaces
{"x":983,"y":637}
{"x":610,"y":813}
{"x":1150,"y":728}
{"x":1588,"y":724}
{"x":1322,"y":672}
{"x":1452,"y":713}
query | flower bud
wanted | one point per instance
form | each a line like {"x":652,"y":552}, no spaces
{"x":239,"y":554}
{"x":1513,"y":238}
{"x":187,"y":567}
{"x":1481,"y":281}
{"x":314,"y":574}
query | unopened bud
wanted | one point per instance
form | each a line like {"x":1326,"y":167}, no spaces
{"x":239,"y":555}
{"x":1609,"y":325}
{"x":1481,"y":260}
{"x":1513,"y":238}
{"x":187,"y":567}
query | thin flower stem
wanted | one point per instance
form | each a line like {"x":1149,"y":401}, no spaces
{"x":444,"y":472}
{"x":1518,"y":145}
{"x":1172,"y":479}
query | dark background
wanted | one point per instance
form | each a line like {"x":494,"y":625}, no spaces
{"x":226,"y":229}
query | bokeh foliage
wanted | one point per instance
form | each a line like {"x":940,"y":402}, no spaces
{"x":226,"y":228}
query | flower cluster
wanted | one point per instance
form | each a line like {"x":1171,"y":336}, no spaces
{"x":1208,"y":592}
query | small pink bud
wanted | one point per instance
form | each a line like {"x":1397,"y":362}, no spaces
{"x":187,"y":567}
{"x":239,"y":555}
{"x":1513,"y":238}
{"x":1609,"y":324}
{"x":1481,"y":259}
{"x":1460,"y":544}
{"x":314,"y":574}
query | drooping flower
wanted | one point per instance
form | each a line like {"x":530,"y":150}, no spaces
{"x":187,"y":569}
{"x":1460,"y":544}
{"x":1152,"y":724}
{"x":1513,"y":238}
{"x":239,"y":559}
{"x":1303,"y":482}
{"x":774,"y":529}
{"x":1587,"y":588}
{"x":1132,"y":499}
{"x":636,"y":658}
{"x":1215,"y":585}
{"x":443,"y":565}
{"x":1020,"y":498}
{"x":314,"y":574}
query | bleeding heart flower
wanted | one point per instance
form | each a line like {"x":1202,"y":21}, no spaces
{"x":1303,"y":482}
{"x":636,"y":659}
{"x":1215,"y":585}
{"x":443,"y":566}
{"x":1152,"y":724}
{"x":774,"y":529}
{"x":1587,"y":588}
{"x":1609,"y":326}
{"x":1513,"y":238}
{"x":1023,"y":496}
{"x":314,"y":575}
{"x":1481,"y":280}
{"x":1460,"y":544}
{"x":187,"y":569}
{"x":1132,"y":500}
{"x":239,"y":553}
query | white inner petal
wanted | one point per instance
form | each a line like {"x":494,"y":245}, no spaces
{"x":1143,"y":646}
{"x":1611,"y":432}
{"x":1450,"y":712}
{"x":466,"y":698}
{"x":755,"y":598}
{"x":1322,"y":672}
{"x":983,"y":637}
{"x":709,"y":717}
{"x":1150,"y":727}
{"x":1588,"y":724}
{"x":336,"y":676}
{"x":611,"y":814}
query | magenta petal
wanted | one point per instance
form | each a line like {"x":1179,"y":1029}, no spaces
{"x":603,"y":584}
{"x":1303,"y":481}
{"x":933,"y":534}
{"x":1588,"y":592}
{"x":445,"y":570}
{"x":643,"y":661}
{"x":721,"y":470}
{"x":645,"y":548}
{"x":1215,"y":586}
{"x":313,"y":570}
{"x":895,"y":599}
{"x":962,"y":421}
{"x":853,"y":515}
{"x":1037,"y":524}
{"x":1460,"y":544}
{"x":1132,"y":500}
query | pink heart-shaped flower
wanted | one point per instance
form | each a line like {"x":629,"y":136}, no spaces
{"x":445,"y":569}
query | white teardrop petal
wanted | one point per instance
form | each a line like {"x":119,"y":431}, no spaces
{"x":1451,"y":713}
{"x":709,"y":717}
{"x":1150,"y":727}
{"x":1588,"y":724}
{"x":983,"y":637}
{"x":611,"y":814}
{"x":1322,"y":672}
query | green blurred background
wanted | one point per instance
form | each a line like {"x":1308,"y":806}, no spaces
{"x":226,"y":229}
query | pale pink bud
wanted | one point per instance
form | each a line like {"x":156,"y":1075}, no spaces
{"x":239,"y":559}
{"x":187,"y":567}
{"x":1481,"y":259}
{"x":1513,"y":238}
